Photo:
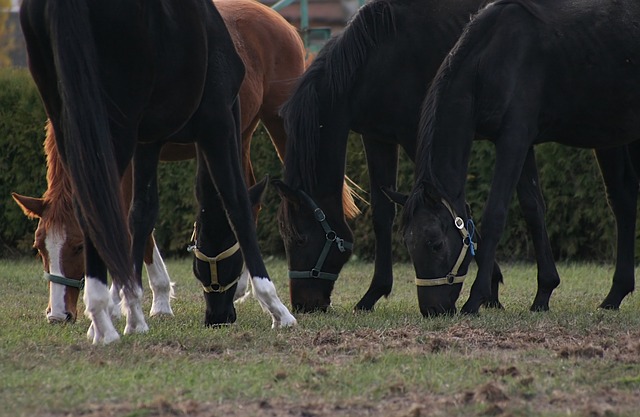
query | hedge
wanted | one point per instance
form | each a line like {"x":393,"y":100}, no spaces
{"x":580,"y":224}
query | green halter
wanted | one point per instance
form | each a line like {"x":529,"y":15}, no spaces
{"x":75,"y":283}
{"x":331,"y":237}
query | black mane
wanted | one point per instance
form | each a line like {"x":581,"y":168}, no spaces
{"x":328,"y":79}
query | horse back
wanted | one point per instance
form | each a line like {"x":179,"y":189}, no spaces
{"x":572,"y":67}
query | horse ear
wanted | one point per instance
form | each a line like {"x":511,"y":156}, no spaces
{"x":32,"y":207}
{"x":395,"y":196}
{"x":256,"y":191}
{"x":285,"y":192}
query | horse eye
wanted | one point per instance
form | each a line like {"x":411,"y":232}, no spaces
{"x":77,"y":250}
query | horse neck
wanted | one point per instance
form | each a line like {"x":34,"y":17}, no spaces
{"x":58,"y":196}
{"x":444,"y":142}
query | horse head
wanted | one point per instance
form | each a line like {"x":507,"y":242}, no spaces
{"x":440,"y":244}
{"x":318,"y":242}
{"x":59,"y":243}
{"x":219,"y":274}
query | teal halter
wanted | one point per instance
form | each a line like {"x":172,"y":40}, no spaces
{"x":331,"y":237}
{"x":75,"y":283}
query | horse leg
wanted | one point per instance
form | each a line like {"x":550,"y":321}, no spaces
{"x":96,"y":298}
{"x":510,"y":156}
{"x":221,"y":156}
{"x":382,"y":160}
{"x":142,"y":217}
{"x":621,"y":184}
{"x":159,"y":281}
{"x":533,"y":209}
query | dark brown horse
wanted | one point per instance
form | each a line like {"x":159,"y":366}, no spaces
{"x":523,"y":73}
{"x":167,"y":72}
{"x":273,"y":56}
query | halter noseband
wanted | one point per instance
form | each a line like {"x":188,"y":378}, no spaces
{"x":331,"y":237}
{"x":467,"y":242}
{"x":215,"y":285}
{"x":58,"y":279}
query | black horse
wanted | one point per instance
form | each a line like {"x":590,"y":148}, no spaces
{"x":121,"y":76}
{"x":523,"y":73}
{"x":372,"y":79}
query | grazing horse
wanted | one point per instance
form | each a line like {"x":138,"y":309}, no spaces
{"x":273,"y":55}
{"x":119,"y":79}
{"x":372,"y":79}
{"x":524,"y":73}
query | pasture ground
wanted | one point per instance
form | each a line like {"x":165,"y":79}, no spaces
{"x":573,"y":361}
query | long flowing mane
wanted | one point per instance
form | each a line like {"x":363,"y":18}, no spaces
{"x":333,"y":70}
{"x":58,"y":197}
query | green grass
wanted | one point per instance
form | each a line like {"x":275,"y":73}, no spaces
{"x":573,"y":360}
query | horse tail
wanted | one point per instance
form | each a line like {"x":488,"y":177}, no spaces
{"x":86,"y":138}
{"x":327,"y":80}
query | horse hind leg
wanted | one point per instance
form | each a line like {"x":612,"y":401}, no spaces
{"x":621,"y":184}
{"x":533,"y":209}
{"x":97,"y":299}
{"x":224,"y":167}
{"x":159,"y":281}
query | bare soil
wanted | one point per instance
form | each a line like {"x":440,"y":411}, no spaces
{"x":489,"y":399}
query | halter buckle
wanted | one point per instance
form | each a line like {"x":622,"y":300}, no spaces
{"x":459,"y":223}
{"x":450,"y":278}
{"x":315,"y":273}
{"x":331,"y":236}
{"x":319,"y":214}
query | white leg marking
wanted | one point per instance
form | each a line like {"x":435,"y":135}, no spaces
{"x":96,"y":300}
{"x":115,"y":303}
{"x":160,"y":284}
{"x":132,"y":305}
{"x":265,"y":292}
{"x":243,"y":291}
{"x":54,"y":243}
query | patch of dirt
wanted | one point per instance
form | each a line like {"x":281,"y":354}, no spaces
{"x":327,"y":348}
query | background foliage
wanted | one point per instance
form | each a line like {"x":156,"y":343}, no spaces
{"x":580,"y":224}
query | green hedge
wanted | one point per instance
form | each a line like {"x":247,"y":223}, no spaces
{"x":580,"y":224}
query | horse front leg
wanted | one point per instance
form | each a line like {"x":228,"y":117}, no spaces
{"x":533,"y":209}
{"x":621,"y":184}
{"x":509,"y":161}
{"x":223,"y":162}
{"x":382,"y":161}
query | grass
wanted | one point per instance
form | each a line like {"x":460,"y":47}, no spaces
{"x":573,"y":360}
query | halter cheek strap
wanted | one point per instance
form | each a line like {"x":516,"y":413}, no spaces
{"x":215,"y":285}
{"x":58,"y":279}
{"x":467,"y":242}
{"x":331,"y":238}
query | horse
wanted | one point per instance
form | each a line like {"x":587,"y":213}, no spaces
{"x":271,"y":66}
{"x":169,"y":73}
{"x":372,"y":79}
{"x":525,"y":73}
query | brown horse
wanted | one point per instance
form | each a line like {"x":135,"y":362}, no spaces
{"x":273,"y":55}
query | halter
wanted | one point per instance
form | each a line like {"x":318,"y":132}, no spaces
{"x":215,"y":285}
{"x":467,"y":242}
{"x":58,"y":279}
{"x":330,"y":236}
